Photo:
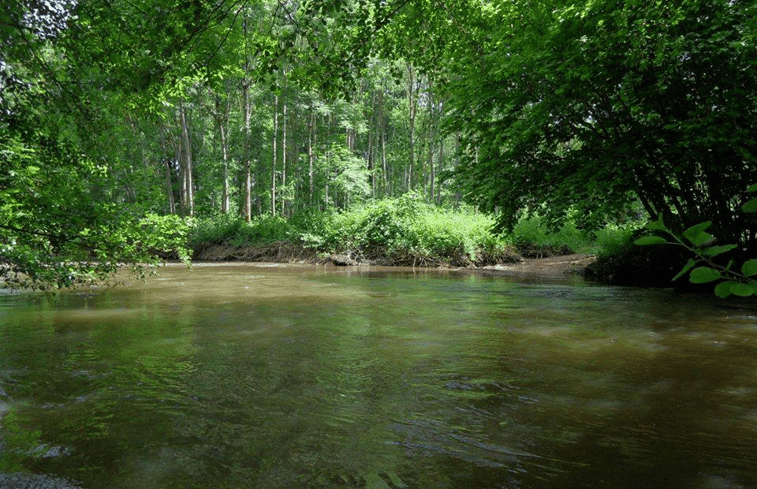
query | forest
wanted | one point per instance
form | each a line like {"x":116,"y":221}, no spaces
{"x":128,"y":128}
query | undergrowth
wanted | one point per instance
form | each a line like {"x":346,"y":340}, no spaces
{"x":405,"y":231}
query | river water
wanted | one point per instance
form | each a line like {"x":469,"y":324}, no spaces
{"x":261,"y":376}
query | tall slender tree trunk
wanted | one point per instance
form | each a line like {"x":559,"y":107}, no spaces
{"x":169,"y":187}
{"x":283,"y":157}
{"x":311,"y":153}
{"x":458,"y":194}
{"x":371,"y":172}
{"x":221,"y":116}
{"x":225,"y":156}
{"x":440,"y":164}
{"x":247,"y":205}
{"x":186,"y":153}
{"x":274,"y":151}
{"x":432,"y":139}
{"x":385,"y":171}
{"x":412,"y":94}
{"x":167,"y":164}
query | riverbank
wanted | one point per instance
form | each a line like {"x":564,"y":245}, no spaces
{"x":555,"y":266}
{"x":511,"y":262}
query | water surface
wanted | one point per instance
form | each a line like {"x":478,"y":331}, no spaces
{"x":255,"y":376}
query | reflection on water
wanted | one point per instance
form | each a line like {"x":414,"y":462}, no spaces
{"x":246,"y":376}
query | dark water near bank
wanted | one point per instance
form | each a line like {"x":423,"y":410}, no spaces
{"x":250,"y":376}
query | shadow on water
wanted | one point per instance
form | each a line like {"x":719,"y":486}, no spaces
{"x":243,"y":376}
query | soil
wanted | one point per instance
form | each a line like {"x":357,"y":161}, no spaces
{"x":554,"y":266}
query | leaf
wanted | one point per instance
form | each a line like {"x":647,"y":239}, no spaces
{"x":657,"y":225}
{"x":702,"y":239}
{"x":750,"y":206}
{"x":723,"y":289}
{"x":717,"y":250}
{"x":685,"y":269}
{"x":703,"y":275}
{"x":752,"y":188}
{"x":650,"y":240}
{"x":742,"y":290}
{"x":749,"y":268}
{"x":694,"y":231}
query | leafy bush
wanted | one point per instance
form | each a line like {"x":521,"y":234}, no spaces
{"x":613,"y":240}
{"x":264,"y":230}
{"x":234,"y":231}
{"x":402,"y":231}
{"x":214,"y":231}
{"x":533,"y":237}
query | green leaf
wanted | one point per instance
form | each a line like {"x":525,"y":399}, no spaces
{"x":657,"y":225}
{"x":650,"y":240}
{"x":750,"y":206}
{"x":694,"y":231}
{"x":702,"y":275}
{"x":749,"y":268}
{"x":752,"y":188}
{"x":703,"y":239}
{"x":723,"y":289}
{"x":717,"y":250}
{"x":743,"y":290}
{"x":685,"y":269}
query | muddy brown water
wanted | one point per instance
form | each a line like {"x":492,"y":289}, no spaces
{"x":265,"y":376}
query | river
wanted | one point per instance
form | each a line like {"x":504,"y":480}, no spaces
{"x":262,"y":376}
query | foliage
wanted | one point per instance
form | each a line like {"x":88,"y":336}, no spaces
{"x":234,"y":231}
{"x":91,"y":256}
{"x":733,"y":278}
{"x":591,"y":105}
{"x":613,"y":239}
{"x":397,"y":229}
{"x":407,"y":229}
{"x":580,"y":112}
{"x":534,"y":237}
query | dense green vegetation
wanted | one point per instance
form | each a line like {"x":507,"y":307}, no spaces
{"x":401,"y":231}
{"x":404,"y":231}
{"x":120,"y":120}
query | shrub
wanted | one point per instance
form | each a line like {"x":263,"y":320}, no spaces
{"x":613,"y":240}
{"x":533,"y":237}
{"x":404,"y":230}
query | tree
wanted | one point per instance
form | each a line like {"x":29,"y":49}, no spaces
{"x":588,"y":106}
{"x":61,"y":226}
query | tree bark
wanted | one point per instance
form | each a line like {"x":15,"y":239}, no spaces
{"x":412,"y":96}
{"x":247,"y":205}
{"x":186,"y":156}
{"x":283,"y":157}
{"x":274,"y":151}
{"x":311,"y":153}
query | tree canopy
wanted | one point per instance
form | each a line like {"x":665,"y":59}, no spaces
{"x":591,"y":105}
{"x":122,"y":118}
